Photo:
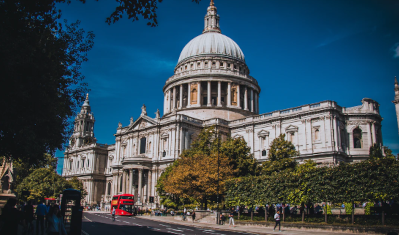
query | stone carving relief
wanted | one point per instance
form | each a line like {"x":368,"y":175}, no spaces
{"x":234,"y":94}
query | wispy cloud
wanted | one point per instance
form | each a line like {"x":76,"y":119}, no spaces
{"x":395,"y":49}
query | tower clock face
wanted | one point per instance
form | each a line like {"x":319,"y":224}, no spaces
{"x":87,"y":141}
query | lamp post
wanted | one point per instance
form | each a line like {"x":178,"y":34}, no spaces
{"x":217,"y":193}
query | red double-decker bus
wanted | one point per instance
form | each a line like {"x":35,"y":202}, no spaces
{"x":123,"y":204}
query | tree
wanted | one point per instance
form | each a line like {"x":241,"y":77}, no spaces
{"x":280,"y":157}
{"x":375,"y":152}
{"x":42,"y":83}
{"x":388,"y":153}
{"x":240,"y":156}
{"x":196,"y":176}
{"x":23,"y":169}
{"x":45,"y":182}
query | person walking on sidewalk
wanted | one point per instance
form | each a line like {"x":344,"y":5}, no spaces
{"x":113,"y":214}
{"x":41,"y":212}
{"x":231,"y":219}
{"x":277,"y":218}
{"x":193,"y":216}
{"x":55,"y":224}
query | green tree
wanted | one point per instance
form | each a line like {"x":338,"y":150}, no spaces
{"x":281,"y":156}
{"x":375,"y":152}
{"x":240,"y":156}
{"x":45,"y":182}
{"x":388,"y":153}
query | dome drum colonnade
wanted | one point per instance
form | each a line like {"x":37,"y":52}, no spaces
{"x":211,"y":75}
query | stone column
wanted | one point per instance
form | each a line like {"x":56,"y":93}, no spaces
{"x":238,"y":96}
{"x":256,"y":103}
{"x":181,"y":97}
{"x":139,"y":191}
{"x":174,"y":98}
{"x":169,"y":101}
{"x":252,"y":100}
{"x":374,"y":132}
{"x":370,"y":138}
{"x":131,"y":181}
{"x":189,"y":95}
{"x":150,"y":183}
{"x":199,"y":94}
{"x":229,"y":94}
{"x":219,"y":94}
{"x":246,"y":98}
{"x":124,"y":182}
{"x":209,"y":94}
{"x":106,"y":188}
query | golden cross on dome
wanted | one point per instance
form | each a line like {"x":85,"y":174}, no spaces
{"x":212,"y":3}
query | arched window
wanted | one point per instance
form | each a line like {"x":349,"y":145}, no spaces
{"x":109,"y":188}
{"x":142,"y":145}
{"x":357,"y":138}
{"x":194,"y":96}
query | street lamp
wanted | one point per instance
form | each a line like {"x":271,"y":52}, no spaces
{"x":217,"y":193}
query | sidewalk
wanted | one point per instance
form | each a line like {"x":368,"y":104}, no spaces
{"x":247,"y":228}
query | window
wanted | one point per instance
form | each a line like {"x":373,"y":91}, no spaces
{"x":199,"y":64}
{"x":109,"y":188}
{"x":235,"y":67}
{"x":221,"y":64}
{"x":120,"y":184}
{"x":164,"y":154}
{"x":142,"y":145}
{"x":263,"y":152}
{"x":87,"y":162}
{"x":126,"y":197}
{"x":213,"y":63}
{"x":185,"y":67}
{"x":228,"y":65}
{"x":70,"y":165}
{"x":206,"y":64}
{"x":83,"y":163}
{"x":317,"y":134}
{"x":357,"y":138}
{"x":78,"y":165}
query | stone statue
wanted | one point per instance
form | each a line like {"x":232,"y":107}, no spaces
{"x":157,"y":114}
{"x":143,"y":110}
{"x":119,"y":125}
{"x":131,"y":121}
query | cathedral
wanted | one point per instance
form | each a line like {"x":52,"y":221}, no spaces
{"x":211,"y":86}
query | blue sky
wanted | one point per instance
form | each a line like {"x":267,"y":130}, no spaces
{"x":300,"y":52}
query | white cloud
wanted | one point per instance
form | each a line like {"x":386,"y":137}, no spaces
{"x":396,"y":50}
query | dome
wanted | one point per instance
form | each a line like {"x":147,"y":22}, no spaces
{"x":214,"y":44}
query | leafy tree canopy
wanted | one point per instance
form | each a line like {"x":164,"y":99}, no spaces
{"x":281,"y":156}
{"x":45,"y":182}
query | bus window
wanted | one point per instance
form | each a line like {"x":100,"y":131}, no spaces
{"x":115,"y":198}
{"x":128,"y":208}
{"x":127,"y":197}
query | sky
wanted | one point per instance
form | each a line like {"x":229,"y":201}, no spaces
{"x":300,"y":52}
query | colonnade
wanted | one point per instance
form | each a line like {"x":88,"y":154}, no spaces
{"x":126,"y":183}
{"x":190,"y":95}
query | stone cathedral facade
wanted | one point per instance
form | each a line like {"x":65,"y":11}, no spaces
{"x":211,"y":85}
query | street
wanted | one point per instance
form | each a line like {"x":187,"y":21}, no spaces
{"x":100,"y":223}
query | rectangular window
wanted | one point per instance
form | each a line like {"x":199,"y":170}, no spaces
{"x":142,"y":145}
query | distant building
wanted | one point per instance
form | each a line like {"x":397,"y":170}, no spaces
{"x":211,"y":85}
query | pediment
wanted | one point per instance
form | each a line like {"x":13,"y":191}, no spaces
{"x":263,"y":133}
{"x":237,"y":136}
{"x":142,"y":123}
{"x":291,"y":128}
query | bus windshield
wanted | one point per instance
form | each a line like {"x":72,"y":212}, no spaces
{"x":115,"y":198}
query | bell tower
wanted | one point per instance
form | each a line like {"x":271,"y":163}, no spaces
{"x":396,"y":101}
{"x":83,"y":131}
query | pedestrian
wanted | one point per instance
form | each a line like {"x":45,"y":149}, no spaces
{"x":41,"y":212}
{"x":10,"y":218}
{"x":277,"y":218}
{"x":28,"y":210}
{"x":113,"y":214}
{"x":231,"y":218}
{"x":193,"y":216}
{"x":55,"y":223}
{"x":184,"y":214}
